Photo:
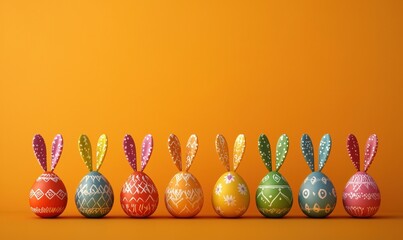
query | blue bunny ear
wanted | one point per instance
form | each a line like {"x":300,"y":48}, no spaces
{"x":307,"y":151}
{"x":324,"y":150}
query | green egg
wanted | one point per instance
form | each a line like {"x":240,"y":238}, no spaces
{"x":274,"y":195}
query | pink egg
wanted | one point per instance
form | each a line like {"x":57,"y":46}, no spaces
{"x":361,"y":197}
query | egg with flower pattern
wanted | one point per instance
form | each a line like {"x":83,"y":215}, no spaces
{"x":231,"y":195}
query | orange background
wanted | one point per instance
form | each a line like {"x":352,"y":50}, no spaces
{"x":203,"y":67}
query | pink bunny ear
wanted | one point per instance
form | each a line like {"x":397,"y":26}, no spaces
{"x":370,"y":151}
{"x":353,"y":151}
{"x":40,"y":150}
{"x":130,"y":151}
{"x":57,"y":148}
{"x":146,"y":151}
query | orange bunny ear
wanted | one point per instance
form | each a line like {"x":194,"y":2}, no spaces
{"x":174,"y":148}
{"x":191,"y":150}
{"x":353,"y":151}
{"x":370,"y":151}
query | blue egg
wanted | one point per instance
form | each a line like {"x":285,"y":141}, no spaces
{"x":94,"y":195}
{"x":317,"y":195}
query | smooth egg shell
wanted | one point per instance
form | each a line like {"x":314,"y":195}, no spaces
{"x":48,"y":195}
{"x":230,"y":196}
{"x":139,"y":196}
{"x":94,"y":195}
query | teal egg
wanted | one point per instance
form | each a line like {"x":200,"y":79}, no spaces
{"x":274,"y":195}
{"x":94,"y":195}
{"x":317,"y":195}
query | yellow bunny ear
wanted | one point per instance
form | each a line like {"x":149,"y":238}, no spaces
{"x":102,"y":146}
{"x":221,"y":148}
{"x":239,"y":149}
{"x":191,"y":150}
{"x":84,"y":146}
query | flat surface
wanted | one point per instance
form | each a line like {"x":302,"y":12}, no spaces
{"x":112,"y":227}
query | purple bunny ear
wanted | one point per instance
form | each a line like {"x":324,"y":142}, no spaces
{"x":370,"y":151}
{"x":40,"y":150}
{"x":146,"y":151}
{"x":130,"y":151}
{"x":57,"y":148}
{"x":353,"y":151}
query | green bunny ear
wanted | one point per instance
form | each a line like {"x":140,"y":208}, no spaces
{"x":281,"y":151}
{"x":102,"y":146}
{"x":324,"y":150}
{"x":265,"y":150}
{"x":84,"y":146}
{"x":307,"y":151}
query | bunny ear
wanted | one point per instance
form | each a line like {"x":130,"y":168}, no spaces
{"x":353,"y":151}
{"x":39,"y":147}
{"x":84,"y":146}
{"x":146,"y":150}
{"x":191,"y":150}
{"x":102,"y":146}
{"x":265,"y":150}
{"x":129,"y":148}
{"x":307,"y":151}
{"x":324,"y":150}
{"x":174,"y":148}
{"x":221,"y":148}
{"x":281,"y":151}
{"x":57,"y":148}
{"x":239,"y":149}
{"x":370,"y":151}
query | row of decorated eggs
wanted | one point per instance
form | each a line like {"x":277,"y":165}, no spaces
{"x":184,"y":195}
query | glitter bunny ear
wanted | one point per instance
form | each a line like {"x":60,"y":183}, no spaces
{"x":191,"y":150}
{"x":239,"y":149}
{"x":174,"y":148}
{"x":57,"y":148}
{"x":281,"y":151}
{"x":102,"y":146}
{"x":353,"y":151}
{"x":370,"y":151}
{"x":129,"y":147}
{"x":265,"y":151}
{"x":39,"y":147}
{"x":84,"y":146}
{"x":324,"y":150}
{"x":146,"y":150}
{"x":307,"y":151}
{"x":221,"y":148}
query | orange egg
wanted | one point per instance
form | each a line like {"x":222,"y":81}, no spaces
{"x":184,"y":195}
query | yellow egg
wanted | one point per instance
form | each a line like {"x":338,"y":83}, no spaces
{"x":230,"y":196}
{"x":184,"y":195}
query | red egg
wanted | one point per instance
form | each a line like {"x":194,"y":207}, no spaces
{"x":361,"y":197}
{"x":139,"y":196}
{"x":48,"y":196}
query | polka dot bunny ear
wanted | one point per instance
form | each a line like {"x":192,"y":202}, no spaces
{"x":221,"y":148}
{"x":325,"y":146}
{"x":57,"y":148}
{"x":239,"y":149}
{"x":174,"y":148}
{"x":281,"y":151}
{"x":129,"y":147}
{"x":370,"y":151}
{"x":265,"y":151}
{"x":102,"y":147}
{"x":146,"y":151}
{"x":191,"y":150}
{"x":39,"y":147}
{"x":84,"y":147}
{"x":307,"y":151}
{"x":353,"y":151}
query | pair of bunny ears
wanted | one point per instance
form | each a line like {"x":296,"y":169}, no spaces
{"x":221,"y":147}
{"x":354,"y":152}
{"x":39,"y":146}
{"x":265,"y":151}
{"x":84,"y":146}
{"x":324,"y":150}
{"x":174,"y":148}
{"x":129,"y":148}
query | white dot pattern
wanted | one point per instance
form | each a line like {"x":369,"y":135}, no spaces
{"x":325,"y":146}
{"x":281,"y":151}
{"x":102,"y":147}
{"x":57,"y":148}
{"x":353,"y":151}
{"x":307,"y":151}
{"x":146,"y":150}
{"x":129,"y":147}
{"x":370,"y":151}
{"x":39,"y":147}
{"x":265,"y":151}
